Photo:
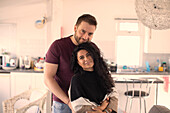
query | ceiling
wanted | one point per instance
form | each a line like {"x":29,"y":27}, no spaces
{"x":6,"y":3}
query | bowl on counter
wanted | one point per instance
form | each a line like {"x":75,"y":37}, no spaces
{"x":8,"y":67}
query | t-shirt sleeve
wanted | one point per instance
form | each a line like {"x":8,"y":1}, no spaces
{"x":53,"y":53}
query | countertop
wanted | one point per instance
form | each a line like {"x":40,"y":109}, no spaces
{"x":141,"y":73}
{"x":20,"y":70}
{"x":113,"y":73}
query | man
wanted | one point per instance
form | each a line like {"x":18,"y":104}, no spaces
{"x":57,"y":73}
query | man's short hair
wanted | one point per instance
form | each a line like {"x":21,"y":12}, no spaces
{"x":87,"y":18}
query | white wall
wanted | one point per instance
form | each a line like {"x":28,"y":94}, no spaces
{"x":105,"y":12}
{"x":29,"y":40}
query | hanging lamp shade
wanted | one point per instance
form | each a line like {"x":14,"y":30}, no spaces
{"x":154,"y":14}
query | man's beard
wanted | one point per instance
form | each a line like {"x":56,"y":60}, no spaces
{"x":78,"y":39}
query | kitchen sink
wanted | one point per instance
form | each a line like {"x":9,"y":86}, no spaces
{"x":131,"y":72}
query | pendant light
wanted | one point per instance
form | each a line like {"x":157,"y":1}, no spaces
{"x":154,"y":14}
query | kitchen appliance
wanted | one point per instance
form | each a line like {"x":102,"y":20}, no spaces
{"x":13,"y":61}
{"x":3,"y":60}
{"x":168,"y":64}
{"x":21,"y":62}
{"x":27,"y":62}
{"x":113,"y":67}
{"x":39,"y":65}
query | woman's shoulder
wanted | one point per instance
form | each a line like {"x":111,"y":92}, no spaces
{"x":76,"y":78}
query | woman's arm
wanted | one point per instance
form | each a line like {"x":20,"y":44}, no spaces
{"x":113,"y":101}
{"x":104,"y":104}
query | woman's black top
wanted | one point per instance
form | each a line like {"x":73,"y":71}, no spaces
{"x":88,"y":85}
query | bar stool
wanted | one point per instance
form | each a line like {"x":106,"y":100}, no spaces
{"x":140,"y":92}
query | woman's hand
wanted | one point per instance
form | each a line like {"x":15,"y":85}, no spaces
{"x":104,"y":104}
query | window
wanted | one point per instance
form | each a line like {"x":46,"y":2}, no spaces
{"x":8,"y":38}
{"x":125,"y":26}
{"x":129,"y":42}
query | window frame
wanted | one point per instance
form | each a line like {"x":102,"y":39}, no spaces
{"x":139,"y":33}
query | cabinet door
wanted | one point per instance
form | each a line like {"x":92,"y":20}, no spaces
{"x":20,"y":82}
{"x":4,"y":88}
{"x":158,"y":42}
{"x":164,"y":91}
{"x":39,"y":80}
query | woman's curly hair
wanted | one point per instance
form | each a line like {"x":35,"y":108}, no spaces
{"x":100,"y":67}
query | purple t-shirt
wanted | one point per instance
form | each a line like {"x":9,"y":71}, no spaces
{"x":60,"y":53}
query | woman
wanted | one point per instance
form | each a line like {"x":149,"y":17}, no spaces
{"x":92,"y":85}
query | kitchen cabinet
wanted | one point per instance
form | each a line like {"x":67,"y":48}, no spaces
{"x":4,"y":88}
{"x":164,"y":92}
{"x":157,"y":41}
{"x":21,"y":82}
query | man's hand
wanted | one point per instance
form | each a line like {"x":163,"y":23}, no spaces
{"x":99,"y":109}
{"x":70,"y":106}
{"x":96,"y":110}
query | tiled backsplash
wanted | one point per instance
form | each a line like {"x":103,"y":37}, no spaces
{"x":152,"y":58}
{"x":32,"y":47}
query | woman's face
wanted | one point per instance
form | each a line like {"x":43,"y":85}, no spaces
{"x":85,"y":60}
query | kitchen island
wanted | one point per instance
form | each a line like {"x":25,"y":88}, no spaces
{"x":157,"y":90}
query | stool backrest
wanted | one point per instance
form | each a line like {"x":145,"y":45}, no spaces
{"x":139,"y":87}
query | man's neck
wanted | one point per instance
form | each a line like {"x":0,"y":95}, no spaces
{"x":73,"y":40}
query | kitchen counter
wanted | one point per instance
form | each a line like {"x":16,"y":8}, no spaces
{"x":20,"y":70}
{"x":141,"y":73}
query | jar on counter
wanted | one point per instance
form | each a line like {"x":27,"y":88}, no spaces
{"x":169,"y":65}
{"x":164,"y":66}
{"x":113,"y":67}
{"x":39,"y":65}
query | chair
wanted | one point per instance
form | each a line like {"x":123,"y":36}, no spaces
{"x":138,"y":88}
{"x":159,"y":109}
{"x":30,"y":101}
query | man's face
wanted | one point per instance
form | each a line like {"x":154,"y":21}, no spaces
{"x":84,"y":32}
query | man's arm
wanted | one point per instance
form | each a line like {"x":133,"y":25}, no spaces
{"x":49,"y":74}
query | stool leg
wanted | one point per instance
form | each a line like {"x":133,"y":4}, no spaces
{"x":126,"y":104}
{"x":140,"y":105}
{"x":145,"y":104}
{"x":131,"y":100}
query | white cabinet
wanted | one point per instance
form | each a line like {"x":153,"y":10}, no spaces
{"x":4,"y":88}
{"x":157,"y":41}
{"x":21,"y":82}
{"x":164,"y":92}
